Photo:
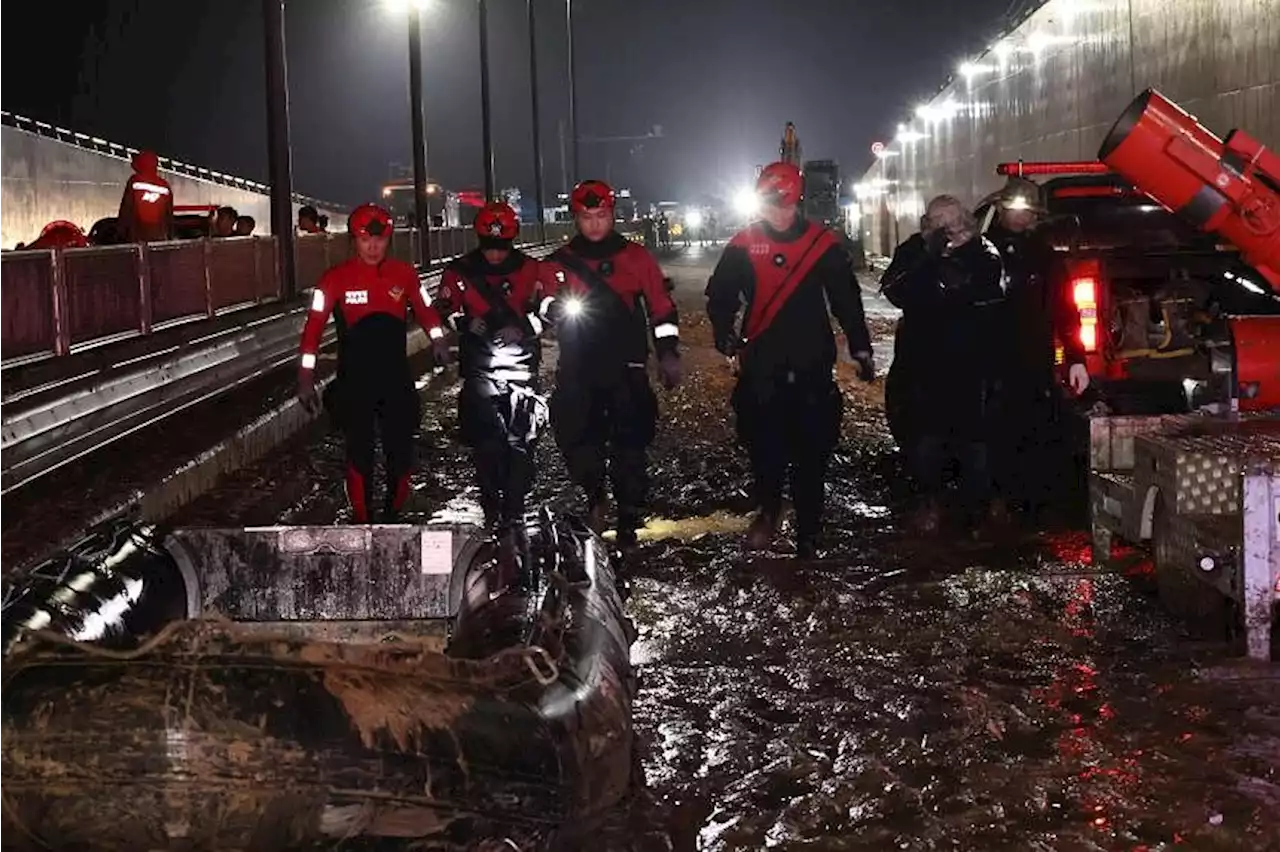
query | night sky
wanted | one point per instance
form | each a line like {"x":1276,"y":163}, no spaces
{"x":721,"y":77}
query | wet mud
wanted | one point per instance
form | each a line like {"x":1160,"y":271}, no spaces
{"x":895,"y":694}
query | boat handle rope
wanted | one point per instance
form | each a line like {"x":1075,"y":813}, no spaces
{"x":552,"y":672}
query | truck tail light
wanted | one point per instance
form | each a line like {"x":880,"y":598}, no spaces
{"x":1084,"y":293}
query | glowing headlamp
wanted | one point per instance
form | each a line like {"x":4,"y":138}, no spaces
{"x":1018,"y":202}
{"x":573,"y":306}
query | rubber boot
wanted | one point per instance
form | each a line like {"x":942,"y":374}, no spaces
{"x":597,"y":512}
{"x":994,"y":522}
{"x":763,"y":530}
{"x":628,"y":524}
{"x":513,"y":558}
{"x":927,"y":519}
{"x":358,"y":495}
{"x":393,"y":502}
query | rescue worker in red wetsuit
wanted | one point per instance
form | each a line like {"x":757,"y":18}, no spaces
{"x":370,"y":295}
{"x":146,"y":207}
{"x":787,"y":270}
{"x":493,"y":292}
{"x":608,"y":298}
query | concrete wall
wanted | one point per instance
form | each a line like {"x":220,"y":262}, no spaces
{"x":46,"y":179}
{"x":1058,"y":82}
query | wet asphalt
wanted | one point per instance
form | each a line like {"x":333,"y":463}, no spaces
{"x":894,"y":694}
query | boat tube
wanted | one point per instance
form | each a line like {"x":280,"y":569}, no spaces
{"x":297,"y":687}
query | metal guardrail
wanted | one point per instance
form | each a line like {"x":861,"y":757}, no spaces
{"x":47,"y":429}
{"x":55,"y":302}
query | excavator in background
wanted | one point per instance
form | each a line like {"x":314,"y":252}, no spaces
{"x":822,"y":196}
{"x":1199,"y":481}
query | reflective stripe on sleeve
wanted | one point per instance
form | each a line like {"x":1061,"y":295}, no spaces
{"x":666,"y":329}
{"x":436,"y":333}
{"x":545,"y":305}
{"x":143,"y":186}
{"x":317,"y":300}
{"x":535,"y":324}
{"x":308,"y":361}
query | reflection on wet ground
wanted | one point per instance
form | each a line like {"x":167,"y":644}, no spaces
{"x":897,"y":694}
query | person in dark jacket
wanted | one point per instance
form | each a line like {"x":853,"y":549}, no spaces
{"x":608,"y":299}
{"x":949,"y":283}
{"x":787,"y":406}
{"x":494,"y":292}
{"x":1041,"y":315}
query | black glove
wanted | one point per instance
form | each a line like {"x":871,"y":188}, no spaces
{"x":865,"y":364}
{"x":670,"y":370}
{"x":727,"y":346}
{"x":935,"y":242}
{"x":307,"y":392}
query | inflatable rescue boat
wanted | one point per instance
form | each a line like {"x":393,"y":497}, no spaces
{"x":294,"y":687}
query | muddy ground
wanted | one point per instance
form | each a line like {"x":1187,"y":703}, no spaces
{"x":896,"y":694}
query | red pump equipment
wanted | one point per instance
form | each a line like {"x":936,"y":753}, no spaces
{"x":1226,"y":186}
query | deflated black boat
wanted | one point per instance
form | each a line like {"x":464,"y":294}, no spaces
{"x":292,"y":687}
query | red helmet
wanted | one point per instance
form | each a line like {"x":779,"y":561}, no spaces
{"x":591,"y":194}
{"x":780,"y":185}
{"x":369,"y":220}
{"x":497,"y":221}
{"x":60,"y":234}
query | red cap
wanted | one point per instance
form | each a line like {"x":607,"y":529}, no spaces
{"x":591,"y":194}
{"x":497,"y":221}
{"x":369,"y":220}
{"x":780,"y":185}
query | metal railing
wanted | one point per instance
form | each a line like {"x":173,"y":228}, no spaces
{"x":58,"y":301}
{"x":124,"y":152}
{"x":54,"y":425}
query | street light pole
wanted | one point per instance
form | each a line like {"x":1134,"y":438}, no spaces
{"x":279,"y":158}
{"x":573,"y":90}
{"x":484,"y":101}
{"x":421,"y":211}
{"x":537,"y":130}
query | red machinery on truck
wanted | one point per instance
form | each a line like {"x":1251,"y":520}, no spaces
{"x":1201,"y":485}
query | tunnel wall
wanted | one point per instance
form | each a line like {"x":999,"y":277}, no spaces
{"x":1053,"y":87}
{"x":46,"y":179}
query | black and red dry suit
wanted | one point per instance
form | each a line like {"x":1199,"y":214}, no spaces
{"x":610,"y":300}
{"x":374,"y":389}
{"x":787,"y":404}
{"x":499,"y":410}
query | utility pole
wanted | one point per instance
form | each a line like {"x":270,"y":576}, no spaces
{"x":537,"y":129}
{"x":484,"y":101}
{"x":279,"y":157}
{"x":573,"y":91}
{"x":421,"y":210}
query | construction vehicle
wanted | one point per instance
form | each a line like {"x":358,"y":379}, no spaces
{"x":789,"y":150}
{"x":1182,"y":335}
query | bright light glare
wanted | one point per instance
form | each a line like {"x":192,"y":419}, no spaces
{"x":402,"y":6}
{"x":906,"y":136}
{"x":969,"y":70}
{"x":693,"y":219}
{"x":1002,"y":51}
{"x":573,"y":306}
{"x":746,"y":202}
